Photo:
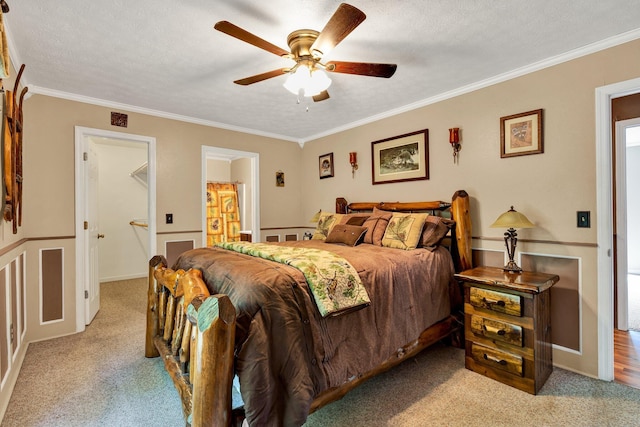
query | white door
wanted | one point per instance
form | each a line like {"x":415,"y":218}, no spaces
{"x":623,"y":130}
{"x":92,"y":236}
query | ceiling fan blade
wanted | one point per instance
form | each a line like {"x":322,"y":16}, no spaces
{"x":321,"y":96}
{"x":237,"y":32}
{"x":260,"y":77}
{"x":362,"y":68}
{"x":343,"y":22}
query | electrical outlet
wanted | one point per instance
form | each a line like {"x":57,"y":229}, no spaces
{"x":169,"y":218}
{"x":584,"y":219}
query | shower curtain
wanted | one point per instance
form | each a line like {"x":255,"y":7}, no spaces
{"x":223,"y":213}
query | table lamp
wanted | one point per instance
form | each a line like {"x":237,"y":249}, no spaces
{"x":511,"y":220}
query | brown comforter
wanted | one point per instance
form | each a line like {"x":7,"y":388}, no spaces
{"x":286,"y":353}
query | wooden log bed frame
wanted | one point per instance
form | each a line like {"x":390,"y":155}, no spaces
{"x":194,"y":332}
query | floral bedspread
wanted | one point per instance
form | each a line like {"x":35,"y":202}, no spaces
{"x":334,"y":283}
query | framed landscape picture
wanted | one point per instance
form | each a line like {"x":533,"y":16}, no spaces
{"x":401,"y":158}
{"x":521,"y":134}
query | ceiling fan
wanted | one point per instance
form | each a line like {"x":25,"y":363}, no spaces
{"x":307,"y":48}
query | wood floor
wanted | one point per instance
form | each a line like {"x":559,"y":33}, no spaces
{"x":626,"y":357}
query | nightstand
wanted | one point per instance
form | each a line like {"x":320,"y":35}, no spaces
{"x":508,"y":325}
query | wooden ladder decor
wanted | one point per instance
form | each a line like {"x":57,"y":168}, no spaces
{"x":12,"y":127}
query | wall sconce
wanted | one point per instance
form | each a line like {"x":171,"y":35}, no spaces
{"x":353,"y":159}
{"x":454,"y":140}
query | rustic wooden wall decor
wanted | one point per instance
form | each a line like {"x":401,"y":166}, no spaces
{"x":11,"y":134}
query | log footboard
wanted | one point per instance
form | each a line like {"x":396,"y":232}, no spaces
{"x":194,"y":333}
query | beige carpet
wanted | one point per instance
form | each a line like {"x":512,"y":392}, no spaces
{"x":101,"y":378}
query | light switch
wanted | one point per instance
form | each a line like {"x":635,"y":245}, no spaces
{"x":584,"y":219}
{"x":169,"y":218}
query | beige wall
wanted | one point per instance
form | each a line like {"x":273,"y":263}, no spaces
{"x":548,"y":187}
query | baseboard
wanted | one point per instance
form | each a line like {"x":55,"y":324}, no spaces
{"x":10,"y":381}
{"x":126,"y":277}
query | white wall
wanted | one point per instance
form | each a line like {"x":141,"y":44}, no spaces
{"x":633,"y":205}
{"x":122,"y":199}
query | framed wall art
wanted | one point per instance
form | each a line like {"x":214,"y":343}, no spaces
{"x":325,"y":165}
{"x":401,"y":158}
{"x":521,"y":134}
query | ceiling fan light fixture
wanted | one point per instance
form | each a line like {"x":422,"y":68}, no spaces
{"x":310,"y":81}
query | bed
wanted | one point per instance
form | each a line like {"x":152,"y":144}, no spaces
{"x":269,"y":333}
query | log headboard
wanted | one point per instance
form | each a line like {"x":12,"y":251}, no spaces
{"x":457,"y":210}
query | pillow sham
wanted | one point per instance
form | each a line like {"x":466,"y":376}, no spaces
{"x":376,"y":224}
{"x":355,"y":218}
{"x":346,"y":234}
{"x":404,"y":230}
{"x":435,"y":229}
{"x":326,"y":221}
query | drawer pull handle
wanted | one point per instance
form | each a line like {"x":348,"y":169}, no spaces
{"x":495,"y":359}
{"x":494,"y":330}
{"x":499,"y":303}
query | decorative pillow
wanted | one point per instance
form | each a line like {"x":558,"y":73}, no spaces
{"x":325,"y":223}
{"x":404,"y":230}
{"x":355,"y":218}
{"x":435,"y":229}
{"x":376,"y":224}
{"x":345,"y":233}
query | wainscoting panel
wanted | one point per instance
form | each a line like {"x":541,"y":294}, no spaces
{"x":4,"y":325}
{"x":174,"y":248}
{"x":487,"y":258}
{"x":15,"y":311}
{"x":22,"y":284}
{"x":51,"y":285}
{"x":566,"y":325}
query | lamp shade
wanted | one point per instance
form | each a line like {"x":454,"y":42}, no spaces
{"x":512,"y":219}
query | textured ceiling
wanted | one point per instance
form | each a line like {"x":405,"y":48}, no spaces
{"x":164,"y":57}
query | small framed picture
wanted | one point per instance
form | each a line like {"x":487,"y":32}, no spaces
{"x":325,"y":165}
{"x":521,"y":134}
{"x":279,"y":179}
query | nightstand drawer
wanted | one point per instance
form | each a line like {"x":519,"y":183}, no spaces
{"x":497,"y":330}
{"x":496,"y":301}
{"x":497,"y":359}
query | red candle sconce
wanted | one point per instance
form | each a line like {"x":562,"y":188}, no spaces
{"x":454,"y":140}
{"x":353,"y":160}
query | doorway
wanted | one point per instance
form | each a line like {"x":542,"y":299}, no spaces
{"x":87,"y":228}
{"x":248,"y":172}
{"x":604,"y":197}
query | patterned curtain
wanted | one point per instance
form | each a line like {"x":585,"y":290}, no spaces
{"x":223,"y":213}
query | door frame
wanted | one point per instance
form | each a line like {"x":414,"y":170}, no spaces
{"x":604,"y":196}
{"x":218,"y":153}
{"x":81,"y":140}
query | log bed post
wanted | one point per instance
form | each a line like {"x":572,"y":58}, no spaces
{"x":460,"y":214}
{"x":212,"y":369}
{"x":150,"y":349}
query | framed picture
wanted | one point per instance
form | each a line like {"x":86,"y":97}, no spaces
{"x":325,"y":165}
{"x":279,"y":179}
{"x":401,"y":158}
{"x":521,"y":134}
